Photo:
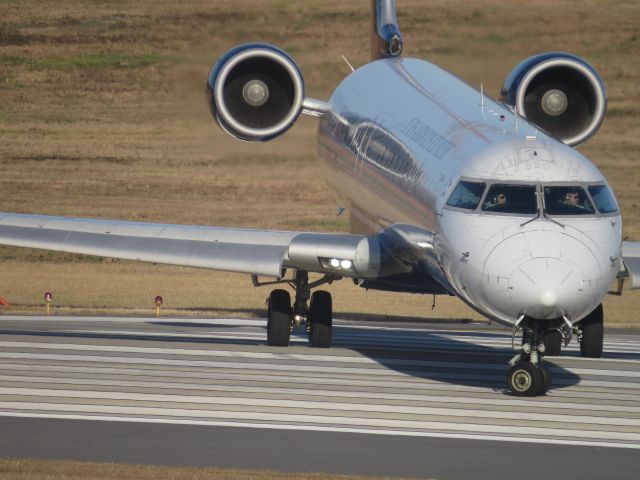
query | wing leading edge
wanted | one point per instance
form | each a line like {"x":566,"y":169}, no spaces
{"x":259,"y":252}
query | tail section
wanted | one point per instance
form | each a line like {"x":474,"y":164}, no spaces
{"x":386,"y":39}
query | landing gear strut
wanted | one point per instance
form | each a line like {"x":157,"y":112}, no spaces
{"x":528,"y":376}
{"x":313,"y":311}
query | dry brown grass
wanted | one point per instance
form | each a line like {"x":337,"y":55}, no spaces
{"x":19,"y":469}
{"x":103,"y":114}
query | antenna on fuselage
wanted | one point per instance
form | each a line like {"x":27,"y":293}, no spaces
{"x":482,"y":95}
{"x":347,"y":62}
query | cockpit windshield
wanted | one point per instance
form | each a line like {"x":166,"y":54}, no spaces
{"x":603,"y":199}
{"x":504,"y":198}
{"x":522,"y":199}
{"x":567,"y":200}
{"x":466,"y":195}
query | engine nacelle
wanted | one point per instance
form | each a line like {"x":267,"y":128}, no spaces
{"x":255,"y":92}
{"x":560,"y":93}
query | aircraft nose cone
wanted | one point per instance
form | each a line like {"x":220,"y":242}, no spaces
{"x":548,"y":298}
{"x":542,"y":274}
{"x":545,"y":287}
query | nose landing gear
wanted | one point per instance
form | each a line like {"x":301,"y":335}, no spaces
{"x":528,"y":380}
{"x":528,"y":376}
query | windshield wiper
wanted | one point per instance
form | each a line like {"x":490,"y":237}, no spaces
{"x":540,"y":209}
{"x":547,"y":217}
{"x":542,"y":212}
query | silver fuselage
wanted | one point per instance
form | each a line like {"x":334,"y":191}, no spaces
{"x":400,"y":135}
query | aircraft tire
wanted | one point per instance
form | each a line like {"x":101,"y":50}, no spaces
{"x":320,"y":316}
{"x":592,"y":341}
{"x":279,"y":318}
{"x":524,"y":379}
{"x":546,"y":380}
{"x":553,"y":343}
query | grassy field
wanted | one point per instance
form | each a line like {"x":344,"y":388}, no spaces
{"x":14,"y":469}
{"x":103,"y":114}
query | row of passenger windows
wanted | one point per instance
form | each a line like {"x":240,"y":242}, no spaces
{"x":558,"y":200}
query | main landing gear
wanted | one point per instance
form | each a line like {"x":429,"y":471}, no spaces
{"x":314,"y":311}
{"x":591,"y":333}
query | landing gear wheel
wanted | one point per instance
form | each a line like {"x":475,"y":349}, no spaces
{"x":592,"y":339}
{"x":553,"y":343}
{"x":546,"y":380}
{"x":279,"y":318}
{"x":524,"y":379}
{"x":320,"y":313}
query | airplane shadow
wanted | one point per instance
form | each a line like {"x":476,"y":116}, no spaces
{"x":466,"y":359}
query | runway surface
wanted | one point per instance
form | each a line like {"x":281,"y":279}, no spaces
{"x":386,"y":399}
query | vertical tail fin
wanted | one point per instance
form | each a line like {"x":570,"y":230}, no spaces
{"x":386,"y":39}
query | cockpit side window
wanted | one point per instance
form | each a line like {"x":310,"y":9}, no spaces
{"x":504,"y":198}
{"x":466,"y":195}
{"x":603,"y":199}
{"x":567,"y":200}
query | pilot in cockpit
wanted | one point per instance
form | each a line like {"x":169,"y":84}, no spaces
{"x":571,"y":198}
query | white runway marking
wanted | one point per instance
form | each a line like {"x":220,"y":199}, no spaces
{"x":382,"y":380}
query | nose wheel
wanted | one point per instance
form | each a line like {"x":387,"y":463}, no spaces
{"x":528,"y":380}
{"x":524,"y":379}
{"x":528,"y":376}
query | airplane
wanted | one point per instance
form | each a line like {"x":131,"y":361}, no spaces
{"x":449,"y":192}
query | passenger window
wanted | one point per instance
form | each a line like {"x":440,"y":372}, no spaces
{"x":603,"y":199}
{"x":466,"y":195}
{"x":511,"y":199}
{"x":567,"y":201}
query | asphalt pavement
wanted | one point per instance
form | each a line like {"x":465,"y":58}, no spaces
{"x":415,"y":399}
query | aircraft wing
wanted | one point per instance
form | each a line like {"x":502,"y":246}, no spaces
{"x":631,"y":262}
{"x":258,"y":252}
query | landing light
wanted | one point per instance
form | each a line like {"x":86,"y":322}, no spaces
{"x":337,"y":264}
